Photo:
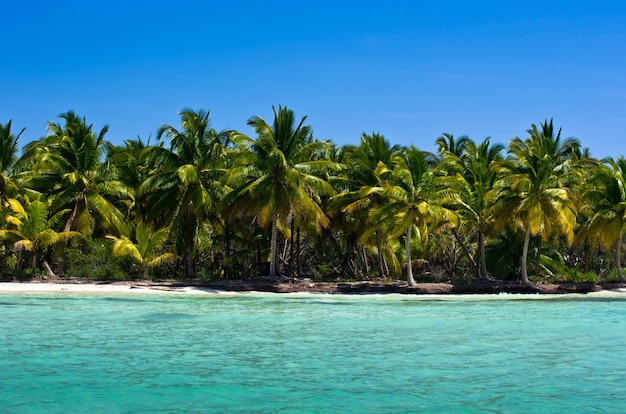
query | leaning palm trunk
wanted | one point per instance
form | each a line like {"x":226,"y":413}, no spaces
{"x":458,"y":238}
{"x":273,"y":243}
{"x":351,"y":250}
{"x":618,"y":258}
{"x":409,"y":264}
{"x":48,"y":269}
{"x":525,"y":257}
{"x":70,"y":221}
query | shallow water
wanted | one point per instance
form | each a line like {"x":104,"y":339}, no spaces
{"x":267,"y":353}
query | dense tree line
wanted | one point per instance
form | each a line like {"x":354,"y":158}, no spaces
{"x":199,"y":203}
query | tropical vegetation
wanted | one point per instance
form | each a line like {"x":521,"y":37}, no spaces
{"x":198,"y":203}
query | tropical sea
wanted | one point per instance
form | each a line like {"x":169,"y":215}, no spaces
{"x":294,"y":353}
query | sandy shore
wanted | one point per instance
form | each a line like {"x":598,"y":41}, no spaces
{"x":304,"y":286}
{"x":122,"y":288}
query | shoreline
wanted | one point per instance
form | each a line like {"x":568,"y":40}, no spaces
{"x":284,"y":285}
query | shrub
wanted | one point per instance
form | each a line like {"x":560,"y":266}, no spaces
{"x":92,"y":259}
{"x":612,"y":277}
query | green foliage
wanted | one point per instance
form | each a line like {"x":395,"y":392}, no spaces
{"x":578,"y":276}
{"x":8,"y":151}
{"x":325,"y":272}
{"x":67,"y":167}
{"x":288,"y":204}
{"x":606,"y":200}
{"x":427,"y":278}
{"x":12,"y":263}
{"x":612,"y":277}
{"x":535,"y":190}
{"x":185,"y":187}
{"x":31,"y":228}
{"x":145,"y":251}
{"x":92,"y":259}
{"x":503,"y":254}
{"x":568,"y":276}
{"x":283,"y":183}
{"x":366,"y":168}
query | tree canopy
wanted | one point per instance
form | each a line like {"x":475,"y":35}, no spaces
{"x":204,"y":203}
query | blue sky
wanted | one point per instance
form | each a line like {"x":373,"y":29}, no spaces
{"x":410,"y":70}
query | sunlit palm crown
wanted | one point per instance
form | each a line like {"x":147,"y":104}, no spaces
{"x":285,"y":175}
{"x":537,"y":180}
{"x":607,"y":201}
{"x":67,"y":166}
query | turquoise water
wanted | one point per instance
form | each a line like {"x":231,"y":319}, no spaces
{"x":266,"y":353}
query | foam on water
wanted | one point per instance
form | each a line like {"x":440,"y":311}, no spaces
{"x":312,"y":353}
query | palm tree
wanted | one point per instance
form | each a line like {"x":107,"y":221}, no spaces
{"x":67,"y":167}
{"x":183,"y":190}
{"x":32,"y":230}
{"x":476,"y":192}
{"x":416,"y":198}
{"x":282,"y":182}
{"x":607,"y":202}
{"x":446,"y":143}
{"x":145,"y":251}
{"x":8,"y":151}
{"x":365,"y":184}
{"x":534,"y":191}
{"x":130,"y":165}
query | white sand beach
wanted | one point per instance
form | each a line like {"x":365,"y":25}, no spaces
{"x":148,"y":288}
{"x":44,"y":287}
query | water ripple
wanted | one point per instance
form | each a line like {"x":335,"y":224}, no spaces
{"x":273,"y":353}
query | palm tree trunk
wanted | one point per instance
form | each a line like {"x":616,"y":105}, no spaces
{"x":189,"y":273}
{"x":366,"y":267}
{"x":228,"y":269}
{"x":481,"y":252}
{"x":538,"y":256}
{"x":273,"y":242}
{"x":525,"y":256}
{"x":409,"y":264}
{"x":33,"y":264}
{"x":187,"y":257}
{"x":259,"y":259}
{"x":457,"y":236}
{"x":586,"y":255}
{"x":48,"y":269}
{"x":351,"y":248}
{"x":618,"y":256}
{"x":381,"y":266}
{"x":292,"y":249}
{"x":386,"y":267}
{"x":70,"y":221}
{"x":191,"y":231}
{"x":298,"y":261}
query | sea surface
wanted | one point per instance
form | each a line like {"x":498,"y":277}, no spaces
{"x":311,"y":353}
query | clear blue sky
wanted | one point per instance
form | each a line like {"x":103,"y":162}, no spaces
{"x":410,"y":70}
